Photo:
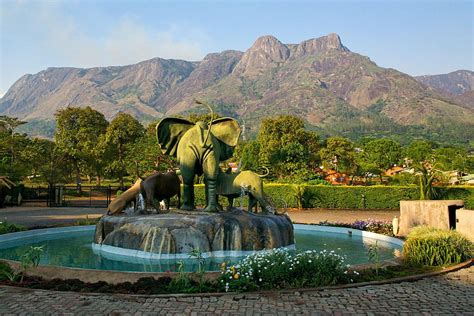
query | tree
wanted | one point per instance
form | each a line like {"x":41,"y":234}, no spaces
{"x":339,"y":154}
{"x":78,"y":131}
{"x":122,"y":132}
{"x":382,"y":154}
{"x":286,"y":148}
{"x":420,"y":156}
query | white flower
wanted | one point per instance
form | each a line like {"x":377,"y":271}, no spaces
{"x":260,"y":279}
{"x":309,"y":261}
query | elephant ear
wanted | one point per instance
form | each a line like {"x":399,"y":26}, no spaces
{"x":169,"y":132}
{"x":227,"y":130}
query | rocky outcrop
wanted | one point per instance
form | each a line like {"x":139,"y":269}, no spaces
{"x":181,"y":232}
{"x":455,"y":83}
{"x":267,"y":52}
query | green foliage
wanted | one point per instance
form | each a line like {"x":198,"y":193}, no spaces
{"x":381,"y":154}
{"x":121,"y":133}
{"x":196,"y":254}
{"x":278,"y":268}
{"x":433,"y":247}
{"x":31,"y":258}
{"x":352,"y":197}
{"x":339,"y":154}
{"x":182,"y":282}
{"x":374,"y":256}
{"x":285,"y":147}
{"x":6,"y":272}
{"x":78,"y":137}
{"x":6,"y":228}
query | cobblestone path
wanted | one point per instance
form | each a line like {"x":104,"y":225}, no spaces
{"x":452,"y":293}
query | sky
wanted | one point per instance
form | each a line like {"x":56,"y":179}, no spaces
{"x":414,"y":36}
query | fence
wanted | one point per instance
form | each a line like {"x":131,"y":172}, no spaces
{"x":70,"y":196}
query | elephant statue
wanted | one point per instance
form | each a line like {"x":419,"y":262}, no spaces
{"x":199,"y":148}
{"x":233,"y":185}
{"x":160,"y":186}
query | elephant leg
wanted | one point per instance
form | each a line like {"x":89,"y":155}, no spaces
{"x":212,"y":205}
{"x":252,"y":203}
{"x":231,"y":202}
{"x":187,"y":172}
{"x":188,"y":197}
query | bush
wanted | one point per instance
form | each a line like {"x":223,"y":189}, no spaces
{"x":5,"y":271}
{"x":6,"y":228}
{"x":279,"y":269}
{"x":433,"y":247}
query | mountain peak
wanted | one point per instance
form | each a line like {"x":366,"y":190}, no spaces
{"x":266,"y":52}
{"x":319,"y":45}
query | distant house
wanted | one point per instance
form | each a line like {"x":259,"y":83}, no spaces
{"x":393,"y":171}
{"x":334,"y":177}
{"x":397,"y":170}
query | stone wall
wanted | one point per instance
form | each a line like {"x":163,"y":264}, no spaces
{"x":436,"y":213}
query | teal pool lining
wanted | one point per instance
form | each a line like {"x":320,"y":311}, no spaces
{"x":350,"y":231}
{"x":117,"y":253}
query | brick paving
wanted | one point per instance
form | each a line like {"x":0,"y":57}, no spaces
{"x":449,"y":294}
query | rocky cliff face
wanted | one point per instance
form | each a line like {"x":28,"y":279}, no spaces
{"x":319,"y":80}
{"x":455,"y":83}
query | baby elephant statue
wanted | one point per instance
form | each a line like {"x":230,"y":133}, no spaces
{"x":234,"y":185}
{"x":160,"y":186}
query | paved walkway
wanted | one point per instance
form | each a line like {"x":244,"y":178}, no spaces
{"x":31,"y":216}
{"x":56,"y":216}
{"x":448,"y":294}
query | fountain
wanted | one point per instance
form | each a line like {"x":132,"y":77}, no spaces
{"x":199,"y":148}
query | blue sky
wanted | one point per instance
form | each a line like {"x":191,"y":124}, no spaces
{"x":416,"y":37}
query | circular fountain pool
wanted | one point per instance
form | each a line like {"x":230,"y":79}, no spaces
{"x":72,"y":247}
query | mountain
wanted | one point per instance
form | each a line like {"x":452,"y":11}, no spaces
{"x":457,"y":86}
{"x":334,"y":90}
{"x":456,"y":82}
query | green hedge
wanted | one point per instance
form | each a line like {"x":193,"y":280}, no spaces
{"x":347,"y":197}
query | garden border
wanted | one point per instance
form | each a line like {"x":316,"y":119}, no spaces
{"x":410,"y":278}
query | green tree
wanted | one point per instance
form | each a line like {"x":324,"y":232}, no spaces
{"x":382,"y":154}
{"x":122,"y":132}
{"x":420,"y":156}
{"x":286,"y":148}
{"x":78,"y":131}
{"x":339,"y":154}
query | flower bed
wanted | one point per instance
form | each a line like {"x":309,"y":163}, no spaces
{"x":278,"y":268}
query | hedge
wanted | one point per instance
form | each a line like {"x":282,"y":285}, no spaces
{"x":346,"y":197}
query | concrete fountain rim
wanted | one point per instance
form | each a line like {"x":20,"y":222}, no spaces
{"x":113,"y":277}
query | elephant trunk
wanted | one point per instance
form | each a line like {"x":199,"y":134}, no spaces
{"x":210,"y":122}
{"x":264,"y":175}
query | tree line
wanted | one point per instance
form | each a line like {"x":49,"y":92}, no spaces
{"x":87,"y":146}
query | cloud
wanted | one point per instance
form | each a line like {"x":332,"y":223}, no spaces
{"x":127,"y":40}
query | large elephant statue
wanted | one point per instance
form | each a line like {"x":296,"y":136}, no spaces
{"x":198,"y":148}
{"x":234,"y":185}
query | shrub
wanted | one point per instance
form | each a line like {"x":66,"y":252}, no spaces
{"x":6,"y":228}
{"x":279,"y":268}
{"x":6,"y":271}
{"x":433,"y":247}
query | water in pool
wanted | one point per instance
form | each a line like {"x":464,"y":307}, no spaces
{"x":75,"y":250}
